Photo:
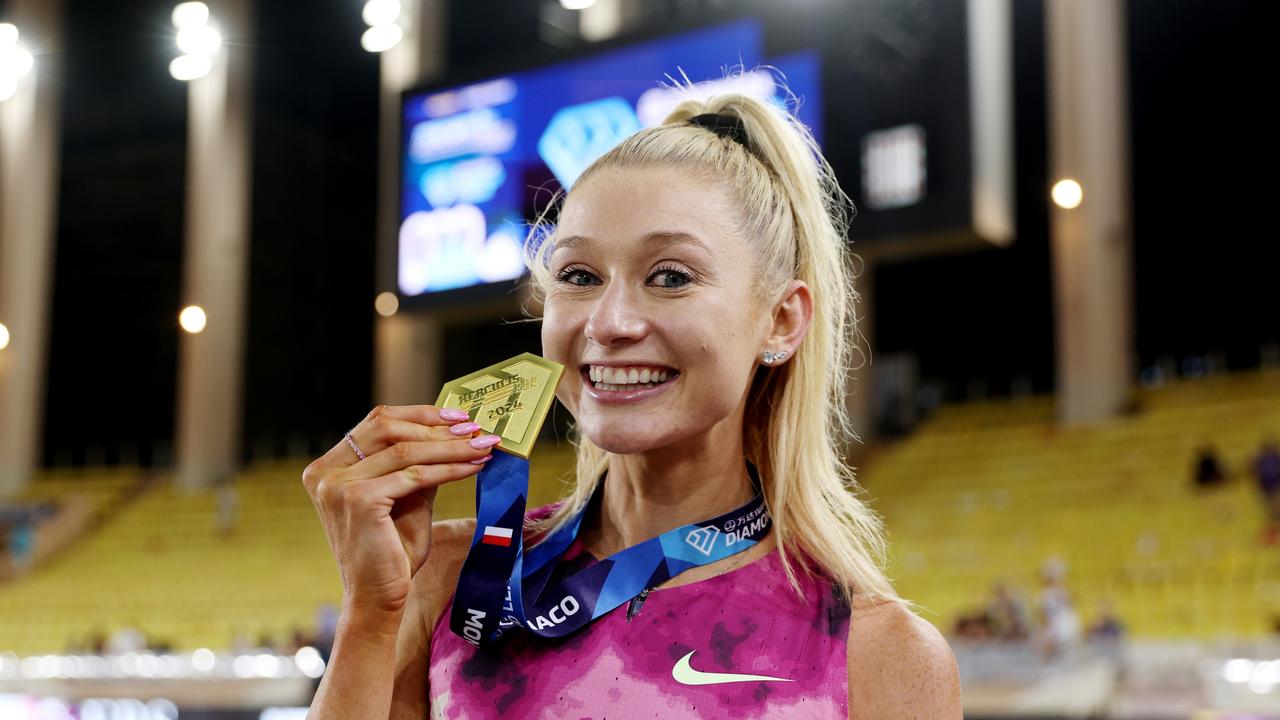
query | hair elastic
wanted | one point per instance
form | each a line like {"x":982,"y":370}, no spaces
{"x":726,"y":126}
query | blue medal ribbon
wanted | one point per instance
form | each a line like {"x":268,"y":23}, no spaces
{"x":501,"y":586}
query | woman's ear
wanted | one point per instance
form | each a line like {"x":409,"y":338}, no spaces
{"x":791,"y":317}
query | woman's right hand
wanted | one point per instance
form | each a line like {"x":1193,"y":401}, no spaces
{"x":377,"y":512}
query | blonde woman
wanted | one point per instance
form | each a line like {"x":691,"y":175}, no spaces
{"x":697,"y":289}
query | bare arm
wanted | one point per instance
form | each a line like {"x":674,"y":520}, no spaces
{"x":368,"y":644}
{"x":432,"y":590}
{"x":356,"y":682}
{"x":375,"y":493}
{"x":900,"y":667}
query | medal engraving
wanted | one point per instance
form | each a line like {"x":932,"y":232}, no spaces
{"x":510,"y":399}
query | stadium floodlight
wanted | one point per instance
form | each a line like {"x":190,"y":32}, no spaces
{"x":190,"y":15}
{"x":1067,"y":194}
{"x":382,"y":17}
{"x":381,"y":12}
{"x":15,"y":61}
{"x":199,"y":41}
{"x":576,"y":4}
{"x":192,"y":319}
{"x":197,"y":38}
{"x":381,"y":38}
{"x":190,"y":67}
{"x":386,"y":304}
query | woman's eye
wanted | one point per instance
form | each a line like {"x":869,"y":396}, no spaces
{"x":681,"y":278}
{"x":571,"y":272}
{"x":674,"y":278}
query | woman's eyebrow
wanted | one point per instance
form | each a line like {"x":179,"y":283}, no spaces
{"x":657,"y":239}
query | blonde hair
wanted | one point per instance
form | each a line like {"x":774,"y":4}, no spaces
{"x":796,"y":217}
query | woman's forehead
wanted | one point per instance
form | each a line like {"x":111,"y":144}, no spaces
{"x":651,"y":208}
{"x":656,"y":241}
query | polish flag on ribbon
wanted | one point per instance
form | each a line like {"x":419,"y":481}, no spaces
{"x":496,"y":536}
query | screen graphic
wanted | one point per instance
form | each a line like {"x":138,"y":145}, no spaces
{"x":477,"y":158}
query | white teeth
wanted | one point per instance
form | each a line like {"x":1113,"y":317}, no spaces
{"x":611,"y":378}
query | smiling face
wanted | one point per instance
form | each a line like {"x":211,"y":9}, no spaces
{"x":649,"y":273}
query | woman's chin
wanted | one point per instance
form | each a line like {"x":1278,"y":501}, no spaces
{"x":621,"y":441}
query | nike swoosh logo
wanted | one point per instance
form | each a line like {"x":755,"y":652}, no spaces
{"x":686,"y":675}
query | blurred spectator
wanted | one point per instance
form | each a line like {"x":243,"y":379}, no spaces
{"x":973,"y":626}
{"x":1106,"y":626}
{"x":126,"y":639}
{"x":228,"y":506}
{"x":326,"y":629}
{"x":266,"y":642}
{"x":1208,"y":470}
{"x":297,"y":639}
{"x":98,"y":642}
{"x":1060,"y":628}
{"x":22,"y":546}
{"x":1007,"y":614}
{"x":1266,"y":468}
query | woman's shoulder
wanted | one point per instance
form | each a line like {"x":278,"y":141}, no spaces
{"x":892,"y":652}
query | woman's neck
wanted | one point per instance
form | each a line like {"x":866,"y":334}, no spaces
{"x":647,"y":494}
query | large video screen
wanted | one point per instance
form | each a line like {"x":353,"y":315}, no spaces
{"x":477,"y":159}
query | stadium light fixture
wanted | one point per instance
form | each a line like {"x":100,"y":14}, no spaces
{"x":386,"y":304}
{"x":382,"y":17}
{"x":192,"y":319}
{"x":576,"y":4}
{"x":190,"y":15}
{"x":15,"y":61}
{"x":380,"y":12}
{"x":198,"y":40}
{"x":1067,"y":194}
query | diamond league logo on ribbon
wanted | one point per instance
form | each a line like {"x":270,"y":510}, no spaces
{"x":703,"y":538}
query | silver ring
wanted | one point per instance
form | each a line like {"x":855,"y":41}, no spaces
{"x":352,"y":443}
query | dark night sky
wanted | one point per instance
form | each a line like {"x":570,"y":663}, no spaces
{"x":1200,"y":270}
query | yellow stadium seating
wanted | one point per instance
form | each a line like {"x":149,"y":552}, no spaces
{"x":158,"y":563}
{"x":987,"y":491}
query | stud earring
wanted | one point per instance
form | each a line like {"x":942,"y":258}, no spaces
{"x":769,"y":356}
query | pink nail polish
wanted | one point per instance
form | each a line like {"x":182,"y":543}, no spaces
{"x":481,"y":461}
{"x":454,"y":414}
{"x":485,"y":441}
{"x":465,"y":428}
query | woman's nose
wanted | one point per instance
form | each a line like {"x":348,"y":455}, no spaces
{"x":616,"y":316}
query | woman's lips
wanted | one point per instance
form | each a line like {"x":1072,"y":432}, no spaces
{"x":631,"y":394}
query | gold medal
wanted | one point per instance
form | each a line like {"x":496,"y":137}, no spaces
{"x":509,"y":399}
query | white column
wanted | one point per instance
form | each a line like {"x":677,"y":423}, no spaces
{"x":210,"y":374}
{"x":408,"y":348}
{"x":1092,"y":265}
{"x":29,"y":133}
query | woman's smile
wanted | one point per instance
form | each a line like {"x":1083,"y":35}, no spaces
{"x":631,"y":384}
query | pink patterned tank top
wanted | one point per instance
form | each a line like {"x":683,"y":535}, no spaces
{"x":739,"y":645}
